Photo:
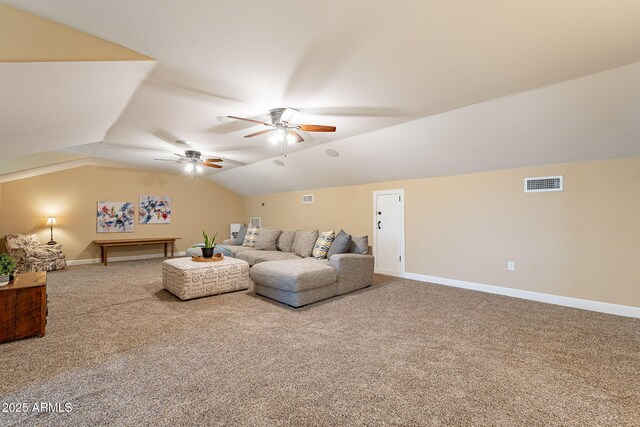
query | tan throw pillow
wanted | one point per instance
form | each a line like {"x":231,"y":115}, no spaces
{"x":305,"y":242}
{"x":321,"y":248}
{"x":251,"y":237}
{"x":267,"y":239}
{"x":285,"y":241}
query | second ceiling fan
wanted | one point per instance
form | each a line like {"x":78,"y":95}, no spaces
{"x":284,"y":128}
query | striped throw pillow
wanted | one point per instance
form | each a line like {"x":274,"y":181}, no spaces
{"x":251,"y":237}
{"x":321,"y":248}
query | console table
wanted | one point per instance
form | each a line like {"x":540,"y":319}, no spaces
{"x":106,"y":244}
{"x":23,"y":307}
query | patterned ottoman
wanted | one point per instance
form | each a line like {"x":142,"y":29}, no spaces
{"x":187,"y":279}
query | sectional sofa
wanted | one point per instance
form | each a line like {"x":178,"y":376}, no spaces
{"x":284,"y":269}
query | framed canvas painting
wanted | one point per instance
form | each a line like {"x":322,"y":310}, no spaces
{"x":256,"y":221}
{"x":154,"y":210}
{"x":115,"y":217}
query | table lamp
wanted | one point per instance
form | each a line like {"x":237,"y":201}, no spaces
{"x":51,"y":221}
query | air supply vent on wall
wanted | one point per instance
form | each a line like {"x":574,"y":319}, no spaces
{"x":308,"y":198}
{"x":543,"y":183}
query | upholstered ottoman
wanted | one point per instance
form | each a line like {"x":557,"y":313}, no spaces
{"x":295,"y":282}
{"x":187,"y":279}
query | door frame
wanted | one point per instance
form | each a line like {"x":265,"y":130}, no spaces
{"x":400,"y":192}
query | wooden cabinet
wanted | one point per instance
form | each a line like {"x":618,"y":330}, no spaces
{"x":23,"y":307}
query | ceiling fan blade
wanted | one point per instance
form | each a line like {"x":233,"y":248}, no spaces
{"x":262,"y":132}
{"x":212,"y":165}
{"x":213,"y":160}
{"x":250,"y":120}
{"x":316,"y":128}
{"x":169,"y":160}
{"x":180,"y":155}
{"x":296,"y":136}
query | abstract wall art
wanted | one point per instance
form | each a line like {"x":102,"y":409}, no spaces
{"x":154,"y":210}
{"x":115,"y":217}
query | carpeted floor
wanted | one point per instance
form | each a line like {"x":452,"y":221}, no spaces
{"x":122,"y":351}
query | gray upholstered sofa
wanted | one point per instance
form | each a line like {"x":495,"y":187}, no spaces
{"x":289,"y":274}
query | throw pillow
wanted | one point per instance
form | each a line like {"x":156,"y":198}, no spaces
{"x":306,"y":241}
{"x":340,"y":244}
{"x":267,"y":237}
{"x":285,"y":241}
{"x":239,"y":240}
{"x":359,"y":245}
{"x":251,"y":237}
{"x":321,"y":248}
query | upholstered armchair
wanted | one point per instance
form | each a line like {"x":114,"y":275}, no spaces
{"x":30,"y":255}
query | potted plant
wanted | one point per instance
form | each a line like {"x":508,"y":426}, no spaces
{"x":7,"y":265}
{"x":209,"y":245}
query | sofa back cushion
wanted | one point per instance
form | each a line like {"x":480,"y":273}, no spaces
{"x":251,"y":237}
{"x":239,"y":240}
{"x":285,"y":241}
{"x":21,"y":241}
{"x":359,"y":245}
{"x":340,"y":245}
{"x":267,"y":237}
{"x":304,"y":242}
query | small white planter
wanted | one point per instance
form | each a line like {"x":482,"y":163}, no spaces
{"x":4,"y":280}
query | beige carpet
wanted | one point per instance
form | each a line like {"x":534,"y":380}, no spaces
{"x":122,"y":351}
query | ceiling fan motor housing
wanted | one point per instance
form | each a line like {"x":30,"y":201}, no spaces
{"x":279,"y":115}
{"x":192,"y":154}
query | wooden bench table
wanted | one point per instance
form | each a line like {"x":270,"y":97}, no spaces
{"x":106,"y":244}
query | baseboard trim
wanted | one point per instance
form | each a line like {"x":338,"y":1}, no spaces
{"x":584,"y":304}
{"x":119,"y":258}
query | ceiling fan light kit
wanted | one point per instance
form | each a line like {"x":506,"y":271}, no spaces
{"x":283,"y":127}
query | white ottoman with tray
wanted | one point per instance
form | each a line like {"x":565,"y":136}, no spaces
{"x":189,"y":279}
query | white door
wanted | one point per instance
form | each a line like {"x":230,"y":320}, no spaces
{"x":389,"y":231}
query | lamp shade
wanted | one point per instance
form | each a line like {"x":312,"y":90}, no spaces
{"x":52,"y":221}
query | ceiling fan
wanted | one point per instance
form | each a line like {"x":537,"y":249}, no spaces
{"x":193,"y":162}
{"x":284,"y":128}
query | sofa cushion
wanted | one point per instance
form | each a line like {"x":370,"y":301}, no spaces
{"x":340,"y":244}
{"x":253,"y":256}
{"x":296,"y":240}
{"x":304,"y":242}
{"x":239,"y":240}
{"x":267,"y":237}
{"x":321,"y":247}
{"x":251,"y":237}
{"x":285,"y":241}
{"x":294,"y":275}
{"x":236,"y":249}
{"x":359,"y":245}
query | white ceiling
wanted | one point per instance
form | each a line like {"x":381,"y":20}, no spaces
{"x":594,"y":117}
{"x":52,"y":105}
{"x":364,"y":66}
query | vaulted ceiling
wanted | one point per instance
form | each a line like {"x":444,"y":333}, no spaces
{"x":415,"y":88}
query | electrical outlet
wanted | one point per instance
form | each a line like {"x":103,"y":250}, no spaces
{"x":511,"y":265}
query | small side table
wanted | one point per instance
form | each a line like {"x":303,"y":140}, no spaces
{"x":23,"y":307}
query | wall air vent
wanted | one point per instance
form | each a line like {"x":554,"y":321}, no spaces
{"x":543,"y":183}
{"x":308,"y":198}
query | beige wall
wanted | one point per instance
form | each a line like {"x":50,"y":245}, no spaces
{"x":25,"y":37}
{"x":583,"y":242}
{"x":72,"y":195}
